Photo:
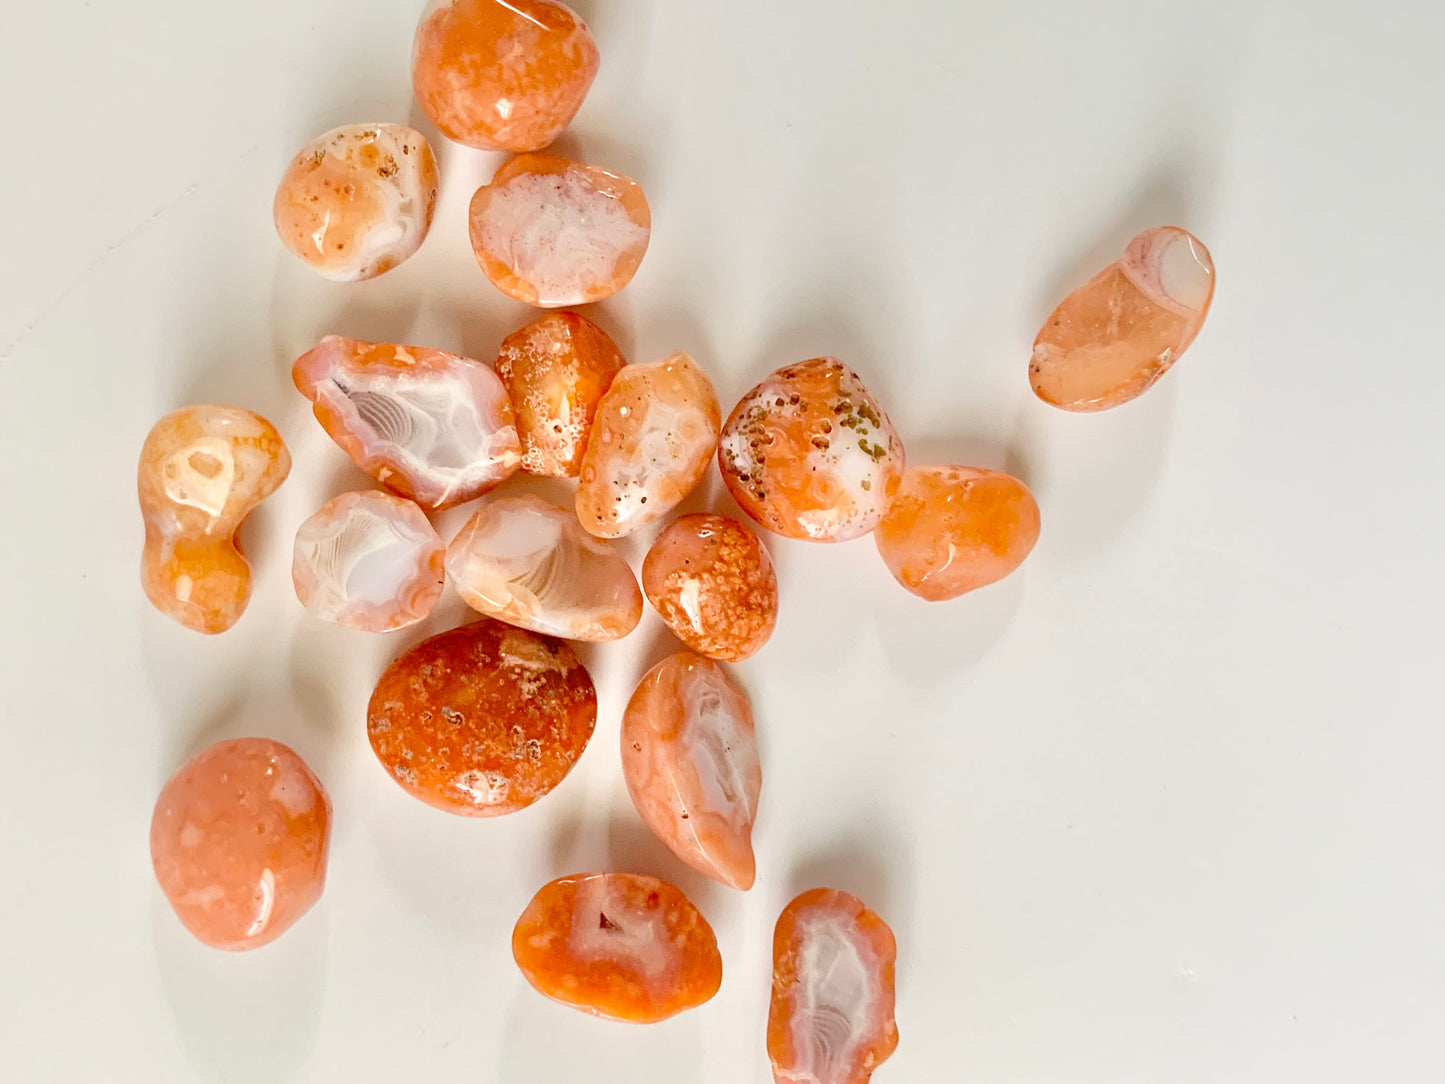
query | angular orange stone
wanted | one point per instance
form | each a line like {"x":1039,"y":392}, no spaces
{"x":239,"y":841}
{"x":482,"y":720}
{"x":690,"y":758}
{"x":431,"y":426}
{"x":552,"y":232}
{"x":656,"y":429}
{"x":618,"y":945}
{"x":831,"y":1017}
{"x":358,"y":200}
{"x":713,"y":583}
{"x":502,"y":75}
{"x":530,"y":563}
{"x":1112,"y":338}
{"x":202,"y":470}
{"x":949,"y":530}
{"x":810,"y":454}
{"x":556,"y":370}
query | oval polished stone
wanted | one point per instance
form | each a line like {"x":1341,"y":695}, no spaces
{"x":831,"y":1016}
{"x":810,"y":454}
{"x":655,"y":431}
{"x":1111,"y":339}
{"x":482,"y":720}
{"x":239,"y":841}
{"x":531,"y":564}
{"x":713,"y":583}
{"x":950,"y":530}
{"x":618,"y":945}
{"x":690,"y":759}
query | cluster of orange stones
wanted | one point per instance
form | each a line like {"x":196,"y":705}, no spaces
{"x":487,"y":718}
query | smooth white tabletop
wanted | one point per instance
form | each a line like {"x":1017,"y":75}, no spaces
{"x":1167,"y":805}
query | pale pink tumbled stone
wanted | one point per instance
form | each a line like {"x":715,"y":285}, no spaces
{"x":690,"y":758}
{"x":239,"y":841}
{"x":531,"y":564}
{"x":369,"y":561}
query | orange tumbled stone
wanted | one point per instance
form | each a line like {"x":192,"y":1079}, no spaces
{"x":618,"y":945}
{"x":502,"y":75}
{"x":713,"y":583}
{"x":656,"y":429}
{"x":831,"y":1016}
{"x":202,"y":470}
{"x":239,"y":841}
{"x":690,"y":758}
{"x":482,"y":720}
{"x":949,"y":530}
{"x":1112,"y":338}
{"x":556,"y":369}
{"x":810,"y":454}
{"x":552,"y":232}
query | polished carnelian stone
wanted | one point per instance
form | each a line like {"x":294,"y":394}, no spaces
{"x":618,"y":945}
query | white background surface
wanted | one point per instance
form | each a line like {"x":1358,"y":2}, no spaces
{"x":1166,"y":806}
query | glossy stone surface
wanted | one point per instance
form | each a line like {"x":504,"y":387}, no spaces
{"x":358,"y":200}
{"x":713,"y":582}
{"x":831,"y":1017}
{"x":239,"y":841}
{"x":618,"y":945}
{"x":810,"y":454}
{"x":369,"y":561}
{"x":482,"y":720}
{"x":202,"y":470}
{"x":531,"y":564}
{"x":552,"y":232}
{"x":428,"y":425}
{"x":1111,"y":339}
{"x":556,"y":370}
{"x":502,"y":74}
{"x":690,"y":758}
{"x":656,"y":429}
{"x":949,"y":530}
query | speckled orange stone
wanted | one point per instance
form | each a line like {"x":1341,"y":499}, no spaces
{"x":504,"y":75}
{"x":239,"y":840}
{"x":949,"y":530}
{"x":618,"y":945}
{"x":713,"y":583}
{"x":482,"y":720}
{"x":556,"y":369}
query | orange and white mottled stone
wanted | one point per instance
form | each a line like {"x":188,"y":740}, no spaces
{"x":502,"y":75}
{"x":556,"y":369}
{"x":358,"y":200}
{"x":434,"y":427}
{"x":368,"y":561}
{"x":239,"y":840}
{"x":690,"y":758}
{"x":950,"y":530}
{"x":831,"y":1016}
{"x":202,"y":470}
{"x":530,"y":563}
{"x":552,"y":232}
{"x":622,"y":946}
{"x":810,"y":454}
{"x":712,"y":581}
{"x":1111,"y":339}
{"x":655,"y":430}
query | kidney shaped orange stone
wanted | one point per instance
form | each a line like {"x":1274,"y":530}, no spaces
{"x":482,"y":720}
{"x":618,"y":945}
{"x":831,"y":1017}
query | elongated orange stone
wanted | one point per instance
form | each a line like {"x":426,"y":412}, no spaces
{"x":618,"y":945}
{"x":831,"y":1017}
{"x":690,"y":758}
{"x":1111,"y":339}
{"x":950,"y":530}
